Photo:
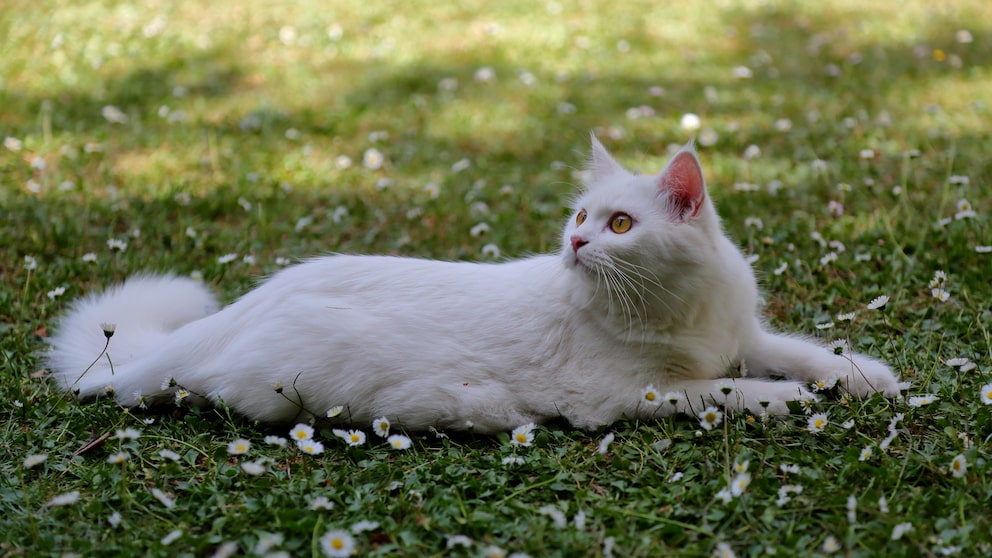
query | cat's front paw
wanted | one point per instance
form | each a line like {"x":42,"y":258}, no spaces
{"x":862,"y":376}
{"x":769,"y":397}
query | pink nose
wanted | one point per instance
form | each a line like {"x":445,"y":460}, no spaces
{"x":577,"y":242}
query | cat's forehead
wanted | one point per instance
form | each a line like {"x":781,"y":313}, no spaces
{"x":628,"y":193}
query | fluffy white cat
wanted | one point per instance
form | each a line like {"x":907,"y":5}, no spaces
{"x":645,"y":291}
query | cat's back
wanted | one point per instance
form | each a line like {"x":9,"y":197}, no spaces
{"x":393,"y":279}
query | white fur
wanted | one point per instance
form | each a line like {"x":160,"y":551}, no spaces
{"x":578,"y":334}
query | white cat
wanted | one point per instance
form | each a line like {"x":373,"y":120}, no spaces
{"x":646,"y":290}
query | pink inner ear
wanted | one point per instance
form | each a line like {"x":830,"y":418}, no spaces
{"x":683,"y":178}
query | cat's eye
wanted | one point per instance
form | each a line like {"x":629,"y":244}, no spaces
{"x":581,"y":217}
{"x":621,"y":223}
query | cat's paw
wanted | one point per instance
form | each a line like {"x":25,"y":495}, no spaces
{"x":862,"y":376}
{"x":770,"y":397}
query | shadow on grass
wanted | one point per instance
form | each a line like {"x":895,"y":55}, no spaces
{"x":512,"y":132}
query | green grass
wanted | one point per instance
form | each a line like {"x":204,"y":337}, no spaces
{"x":246,"y":112}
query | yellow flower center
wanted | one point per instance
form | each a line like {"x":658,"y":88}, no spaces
{"x":650,"y":396}
{"x":710,"y":417}
{"x":521,"y":437}
{"x":338,"y":544}
{"x":354,"y":438}
{"x":819,"y":423}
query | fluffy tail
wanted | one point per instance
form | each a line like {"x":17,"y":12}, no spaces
{"x":131,"y":320}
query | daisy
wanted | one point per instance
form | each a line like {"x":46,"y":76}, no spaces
{"x":181,"y":394}
{"x":839,"y":347}
{"x":650,"y":396}
{"x":355,"y":438}
{"x":724,"y":495}
{"x":491,"y":251}
{"x":301,"y":432}
{"x":373,"y":159}
{"x":114,"y":519}
{"x":63,"y":499}
{"x":119,"y":458}
{"x":986,"y":394}
{"x":254,"y":468}
{"x":921,"y":400}
{"x":830,"y":544}
{"x":398,"y":441}
{"x":513,"y":460}
{"x":824,"y":385}
{"x":116,"y":244}
{"x":34,"y":460}
{"x":480,"y":229}
{"x":556,"y":515}
{"x":523,"y":435}
{"x":56,"y":292}
{"x":169,"y":455}
{"x":163,"y":498}
{"x":940,"y":294}
{"x":901,"y":530}
{"x":337,"y":543}
{"x":381,"y":427}
{"x":459,"y":540}
{"x":320,"y":503}
{"x":710,"y":417}
{"x":723,"y":550}
{"x":817,"y":423}
{"x":171,"y":537}
{"x":865,"y":454}
{"x":335,"y":411}
{"x":965,"y":210}
{"x":128,"y":434}
{"x":878,"y":303}
{"x":690,"y":122}
{"x":789,"y":468}
{"x":310,"y":446}
{"x":785,"y":490}
{"x":268,"y":542}
{"x":363,"y":526}
{"x":672,"y":397}
{"x":275,"y":441}
{"x":740,"y":484}
{"x":238,"y":447}
{"x":959,"y":466}
{"x":741,"y":466}
{"x":845,"y":317}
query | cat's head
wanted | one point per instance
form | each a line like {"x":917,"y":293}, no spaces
{"x":641,"y":231}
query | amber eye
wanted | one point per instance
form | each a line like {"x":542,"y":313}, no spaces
{"x":581,"y":217}
{"x":621,"y":223}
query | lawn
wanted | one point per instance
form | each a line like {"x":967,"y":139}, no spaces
{"x":846,"y":145}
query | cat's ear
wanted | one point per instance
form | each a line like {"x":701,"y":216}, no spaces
{"x":602,"y":164}
{"x":682,"y":180}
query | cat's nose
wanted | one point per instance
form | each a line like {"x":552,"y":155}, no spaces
{"x":578,"y":242}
